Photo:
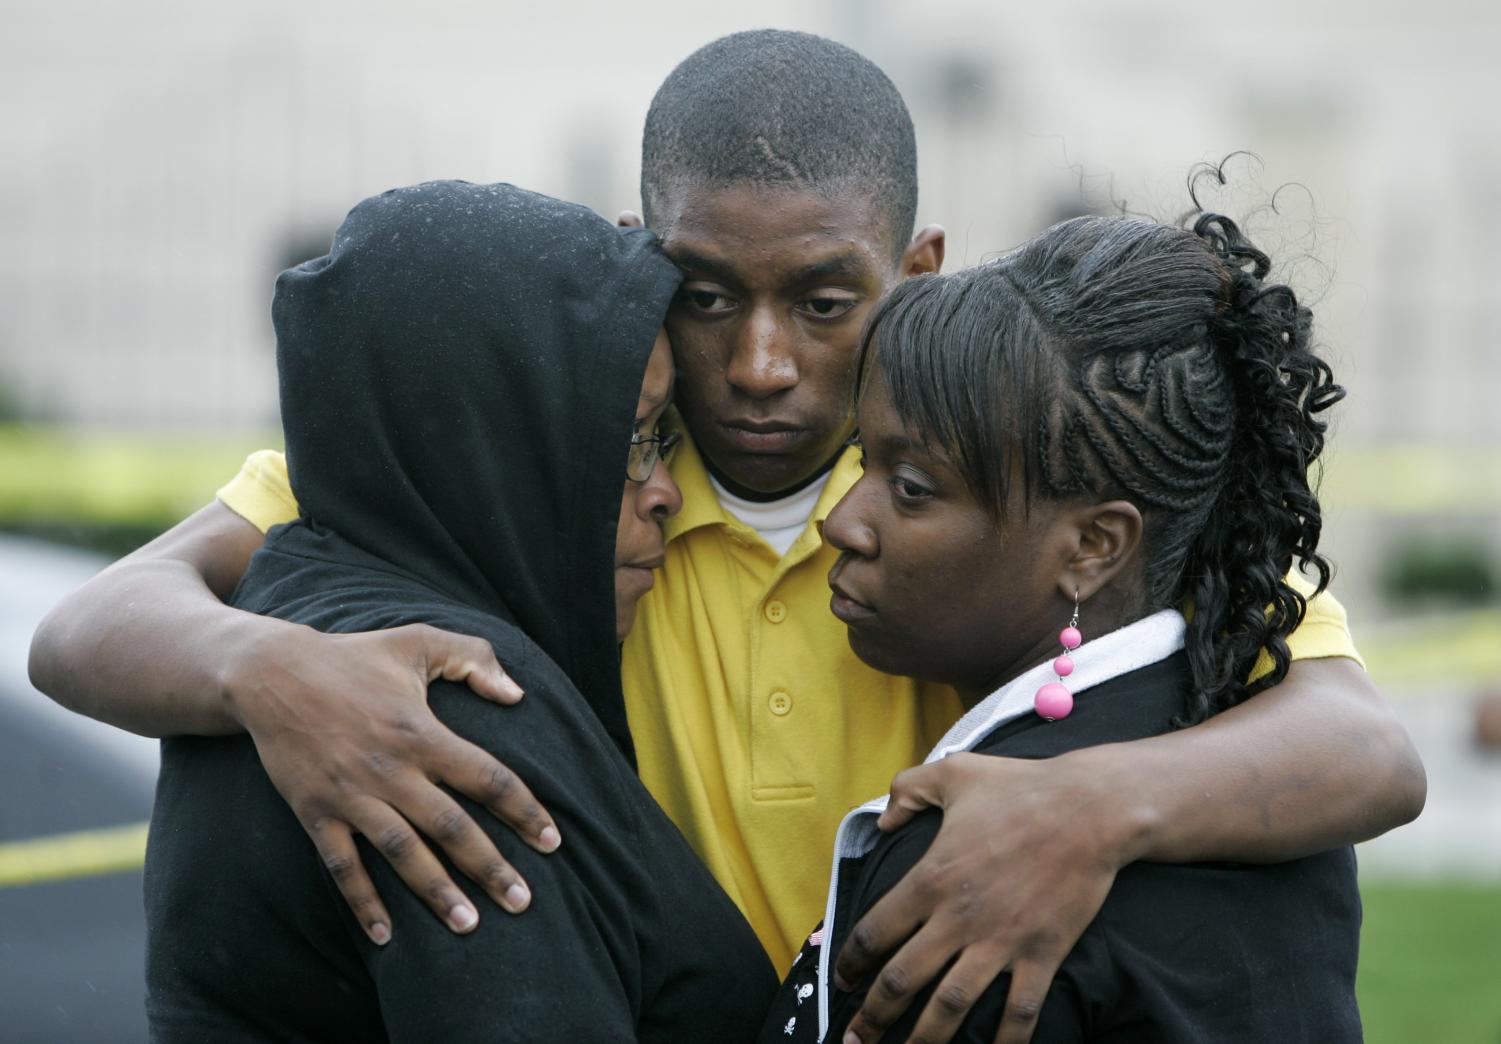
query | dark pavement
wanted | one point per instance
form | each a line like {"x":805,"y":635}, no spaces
{"x":72,"y":945}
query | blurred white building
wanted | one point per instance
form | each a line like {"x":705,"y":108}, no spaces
{"x":162,"y":161}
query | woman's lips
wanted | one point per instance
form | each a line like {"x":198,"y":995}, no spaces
{"x":640,"y":574}
{"x":847,"y":609}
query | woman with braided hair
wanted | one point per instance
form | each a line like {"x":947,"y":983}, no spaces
{"x":1085,"y":486}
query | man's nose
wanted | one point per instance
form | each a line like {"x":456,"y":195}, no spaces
{"x":763,"y":363}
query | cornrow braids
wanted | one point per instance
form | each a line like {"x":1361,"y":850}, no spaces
{"x":1120,"y":358}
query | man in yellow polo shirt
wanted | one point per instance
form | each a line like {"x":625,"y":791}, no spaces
{"x":780,"y":171}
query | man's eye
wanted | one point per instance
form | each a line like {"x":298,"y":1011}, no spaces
{"x":706,"y":302}
{"x":828,"y":307}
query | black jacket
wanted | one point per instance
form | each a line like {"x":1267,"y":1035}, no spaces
{"x":1191,"y":953}
{"x":459,"y":377}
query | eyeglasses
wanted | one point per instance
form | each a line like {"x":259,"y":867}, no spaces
{"x":646,"y":450}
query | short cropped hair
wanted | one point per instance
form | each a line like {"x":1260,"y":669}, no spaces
{"x":775,"y":108}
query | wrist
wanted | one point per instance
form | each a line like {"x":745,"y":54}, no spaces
{"x":1121,"y":801}
{"x":252,"y":647}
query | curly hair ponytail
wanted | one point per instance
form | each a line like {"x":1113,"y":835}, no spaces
{"x":1120,"y":358}
{"x":1266,"y":514}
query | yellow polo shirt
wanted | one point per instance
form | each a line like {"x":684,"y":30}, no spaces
{"x":755,"y":725}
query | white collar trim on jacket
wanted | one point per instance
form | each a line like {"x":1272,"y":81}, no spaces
{"x":1130,"y":648}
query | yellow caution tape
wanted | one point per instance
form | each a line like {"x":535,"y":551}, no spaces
{"x":86,"y":853}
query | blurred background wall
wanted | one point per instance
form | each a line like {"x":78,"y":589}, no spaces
{"x":161,"y":162}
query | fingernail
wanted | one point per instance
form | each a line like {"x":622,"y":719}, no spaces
{"x":462,"y":918}
{"x":850,"y":1038}
{"x":517,"y":897}
{"x":380,"y":934}
{"x":840,"y":984}
{"x":509,"y":685}
{"x":549,"y":839}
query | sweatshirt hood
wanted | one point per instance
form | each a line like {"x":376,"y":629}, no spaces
{"x":459,"y":377}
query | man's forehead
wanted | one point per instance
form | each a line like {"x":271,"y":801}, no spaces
{"x":742,"y":223}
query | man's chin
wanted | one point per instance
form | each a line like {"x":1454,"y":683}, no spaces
{"x":764,"y":475}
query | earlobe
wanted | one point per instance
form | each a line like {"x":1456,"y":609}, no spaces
{"x":925,"y":253}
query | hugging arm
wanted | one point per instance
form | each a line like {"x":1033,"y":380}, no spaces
{"x":1028,"y":850}
{"x":129,"y":647}
{"x":341,"y":722}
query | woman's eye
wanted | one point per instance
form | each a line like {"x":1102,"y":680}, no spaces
{"x":828,"y":307}
{"x":908,"y":490}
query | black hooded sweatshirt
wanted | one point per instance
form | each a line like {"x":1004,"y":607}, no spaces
{"x":458,"y":384}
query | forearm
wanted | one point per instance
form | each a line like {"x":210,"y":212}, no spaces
{"x":144,"y":648}
{"x":1316,"y":762}
{"x":147,"y":645}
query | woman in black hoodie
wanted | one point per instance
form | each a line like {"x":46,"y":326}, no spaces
{"x":457,"y":385}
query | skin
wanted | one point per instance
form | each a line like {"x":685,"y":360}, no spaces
{"x":148,"y":646}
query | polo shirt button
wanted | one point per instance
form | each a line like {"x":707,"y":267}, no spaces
{"x":781,"y":703}
{"x":776,"y":612}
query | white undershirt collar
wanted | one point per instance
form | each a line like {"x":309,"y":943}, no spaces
{"x":779,"y":522}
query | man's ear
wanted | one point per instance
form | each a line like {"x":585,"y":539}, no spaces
{"x":1108,"y":539}
{"x":925,"y":253}
{"x":630,"y":219}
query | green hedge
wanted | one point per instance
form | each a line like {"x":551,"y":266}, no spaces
{"x":1440,"y":571}
{"x":112,"y":490}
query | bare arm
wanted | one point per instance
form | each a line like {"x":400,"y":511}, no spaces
{"x":341,"y":722}
{"x":125,"y":648}
{"x":1029,"y":849}
{"x":1316,"y":762}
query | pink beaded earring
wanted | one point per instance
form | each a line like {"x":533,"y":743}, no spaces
{"x":1053,"y":700}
